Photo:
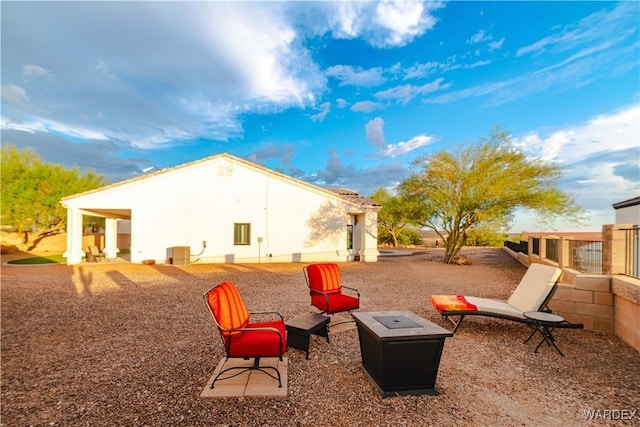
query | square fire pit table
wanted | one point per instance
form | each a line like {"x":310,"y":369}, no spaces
{"x":300,"y":329}
{"x":400,"y":351}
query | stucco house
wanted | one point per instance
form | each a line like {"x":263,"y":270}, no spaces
{"x":223,"y":209}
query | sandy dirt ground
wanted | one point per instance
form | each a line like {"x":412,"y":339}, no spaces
{"x":133,"y":345}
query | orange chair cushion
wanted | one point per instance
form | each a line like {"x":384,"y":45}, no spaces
{"x":324,"y":277}
{"x":452,"y":303}
{"x":337,"y":302}
{"x":258,"y":343}
{"x":227,"y":307}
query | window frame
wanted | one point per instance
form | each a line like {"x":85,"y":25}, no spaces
{"x":241,"y":233}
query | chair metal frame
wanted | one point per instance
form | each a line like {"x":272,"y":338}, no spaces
{"x":326,"y":295}
{"x":227,"y":345}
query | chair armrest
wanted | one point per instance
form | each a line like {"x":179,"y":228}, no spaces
{"x":268,"y":312}
{"x":262,"y":329}
{"x":352,"y":289}
{"x":326,"y":295}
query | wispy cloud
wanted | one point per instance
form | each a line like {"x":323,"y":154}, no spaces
{"x":594,"y":47}
{"x":496,"y":44}
{"x":576,"y":70}
{"x":597,"y":26}
{"x":34,"y":71}
{"x":366,"y":106}
{"x":405,"y":93}
{"x":324,"y":110}
{"x":479,"y":37}
{"x":356,"y":76}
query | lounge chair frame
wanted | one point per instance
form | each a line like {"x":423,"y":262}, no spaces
{"x":544,"y":307}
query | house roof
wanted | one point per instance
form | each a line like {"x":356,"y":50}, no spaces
{"x":627,"y":203}
{"x":343,"y":193}
{"x":352,"y":196}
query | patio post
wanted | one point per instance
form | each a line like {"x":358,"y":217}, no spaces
{"x":74,"y":252}
{"x":111,"y":237}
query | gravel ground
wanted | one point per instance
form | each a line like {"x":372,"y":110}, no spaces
{"x":133,"y":345}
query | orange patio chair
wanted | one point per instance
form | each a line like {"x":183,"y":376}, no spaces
{"x":325,"y":288}
{"x":241,"y":337}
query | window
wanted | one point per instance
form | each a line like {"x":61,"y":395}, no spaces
{"x":241,"y":233}
{"x":349,"y":236}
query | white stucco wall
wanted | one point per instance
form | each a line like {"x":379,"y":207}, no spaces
{"x":628,"y":215}
{"x":201,"y":202}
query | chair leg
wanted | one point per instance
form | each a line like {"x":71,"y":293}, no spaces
{"x":456,"y":324}
{"x":254,"y":367}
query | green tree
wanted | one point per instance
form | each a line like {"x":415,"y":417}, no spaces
{"x":394,"y":215}
{"x":482,"y":183}
{"x":32,"y":189}
{"x":485,"y":235}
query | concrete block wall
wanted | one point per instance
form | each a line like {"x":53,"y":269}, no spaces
{"x":626,"y":294}
{"x":608,"y":302}
{"x":586,"y":299}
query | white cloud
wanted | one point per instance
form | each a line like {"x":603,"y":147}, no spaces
{"x":496,"y":45}
{"x":166,"y":79}
{"x":402,"y":92}
{"x":263,"y":52}
{"x":479,"y":37}
{"x":599,"y":158}
{"x":15,"y":96}
{"x":375,"y":132}
{"x":403,"y":20}
{"x":381,"y":23}
{"x":324,"y":110}
{"x":610,"y":132}
{"x":357,"y":76}
{"x":103,"y":69}
{"x":421,"y":70}
{"x":341,"y":103}
{"x":53,"y":127}
{"x":404,"y":147}
{"x":366,"y":106}
{"x":405,"y":93}
{"x":34,"y":71}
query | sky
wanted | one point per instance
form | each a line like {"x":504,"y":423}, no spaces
{"x":337,"y":94}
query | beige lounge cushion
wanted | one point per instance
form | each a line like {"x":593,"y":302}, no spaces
{"x":534,"y":287}
{"x":495,"y":306}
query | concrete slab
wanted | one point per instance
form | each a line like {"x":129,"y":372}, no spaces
{"x":251,"y":383}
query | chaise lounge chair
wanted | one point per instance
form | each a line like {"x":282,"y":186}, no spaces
{"x":533,"y":293}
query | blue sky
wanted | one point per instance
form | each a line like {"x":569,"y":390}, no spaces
{"x":339,"y":94}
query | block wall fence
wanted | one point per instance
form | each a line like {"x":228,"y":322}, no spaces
{"x":609,"y":302}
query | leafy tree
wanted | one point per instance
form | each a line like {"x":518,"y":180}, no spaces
{"x":404,"y":236}
{"x":482,"y":183}
{"x":394,"y":215}
{"x":32,"y":189}
{"x":485,"y":235}
{"x":409,"y":236}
